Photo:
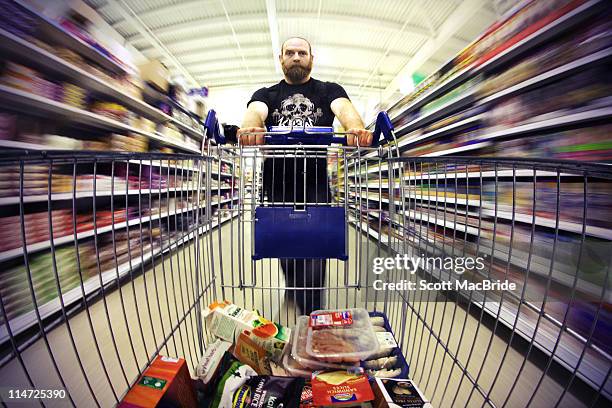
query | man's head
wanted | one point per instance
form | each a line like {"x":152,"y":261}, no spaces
{"x":296,"y":60}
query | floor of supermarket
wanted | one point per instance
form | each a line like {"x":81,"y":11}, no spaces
{"x":439,"y":338}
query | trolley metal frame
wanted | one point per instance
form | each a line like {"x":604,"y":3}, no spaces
{"x":464,"y":348}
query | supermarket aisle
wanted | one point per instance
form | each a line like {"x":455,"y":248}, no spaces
{"x":171,"y":282}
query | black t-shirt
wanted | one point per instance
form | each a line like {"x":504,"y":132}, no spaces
{"x":307,"y":104}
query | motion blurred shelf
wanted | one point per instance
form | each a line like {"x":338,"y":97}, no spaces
{"x":16,"y":97}
{"x":29,"y":319}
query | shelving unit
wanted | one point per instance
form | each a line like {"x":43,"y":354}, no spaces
{"x":40,"y":246}
{"x":49,"y":62}
{"x":27,"y":320}
{"x":463,"y":126}
{"x":55,"y":32}
{"x":17,"y":98}
{"x":23,"y":50}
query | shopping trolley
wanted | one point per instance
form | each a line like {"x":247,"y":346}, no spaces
{"x":137,"y":244}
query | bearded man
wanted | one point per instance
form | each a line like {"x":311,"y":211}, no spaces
{"x":300,"y":101}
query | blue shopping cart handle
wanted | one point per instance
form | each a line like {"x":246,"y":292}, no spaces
{"x":315,"y":135}
{"x":384,"y":126}
{"x":212,"y":129}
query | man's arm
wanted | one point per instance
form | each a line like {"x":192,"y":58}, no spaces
{"x":349,"y":119}
{"x":254,"y":121}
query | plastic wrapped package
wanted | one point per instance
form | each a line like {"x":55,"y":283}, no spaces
{"x":343,"y":335}
{"x":299,"y":353}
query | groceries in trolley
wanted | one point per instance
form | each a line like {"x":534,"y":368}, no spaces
{"x":398,"y":393}
{"x":330,"y":358}
{"x":166,"y":382}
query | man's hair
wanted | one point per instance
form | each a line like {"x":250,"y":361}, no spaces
{"x":301,"y":38}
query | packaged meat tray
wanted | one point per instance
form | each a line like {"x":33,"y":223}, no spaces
{"x":341,"y":336}
{"x":298,"y":349}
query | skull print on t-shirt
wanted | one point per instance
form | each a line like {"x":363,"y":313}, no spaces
{"x":297,"y":110}
{"x":307,"y":104}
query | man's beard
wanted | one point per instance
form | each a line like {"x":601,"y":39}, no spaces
{"x":297,"y":73}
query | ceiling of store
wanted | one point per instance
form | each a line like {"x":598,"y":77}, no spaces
{"x":364,"y":45}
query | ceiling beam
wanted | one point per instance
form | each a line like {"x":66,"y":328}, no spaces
{"x":324,"y":71}
{"x":264,"y":62}
{"x":332,"y":19}
{"x":195,"y":48}
{"x":165,"y":10}
{"x":273,"y":27}
{"x":129,"y":15}
{"x":462,"y":14}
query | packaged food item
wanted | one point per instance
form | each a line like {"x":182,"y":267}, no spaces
{"x":227,"y":321}
{"x":386,"y":344}
{"x":340,"y":388}
{"x":211,"y":360}
{"x":272,"y":337}
{"x":298,"y":349}
{"x":231,"y":376}
{"x":166,"y":382}
{"x":379,"y":363}
{"x":251,"y":353}
{"x":398,"y":393}
{"x":343,"y":335}
{"x":294,"y":368}
{"x":269,"y":392}
{"x":306,"y":398}
{"x":385,"y":373}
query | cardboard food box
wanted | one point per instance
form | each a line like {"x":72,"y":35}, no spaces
{"x":340,"y":388}
{"x":398,"y":393}
{"x":166,"y":382}
{"x":156,"y":74}
{"x":227,"y":321}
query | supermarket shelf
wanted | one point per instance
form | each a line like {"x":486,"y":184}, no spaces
{"x":574,"y":227}
{"x":550,"y":75}
{"x":164,"y":164}
{"x":383,"y":238}
{"x":27,"y":320}
{"x":540,"y":266}
{"x":119,"y":192}
{"x":569,"y":119}
{"x":553,"y":28}
{"x":57,"y":34}
{"x":375,"y":169}
{"x":419,"y":197}
{"x":15,"y":97}
{"x":39,"y":246}
{"x":473,"y":174}
{"x":461,"y":149}
{"x":13,"y":144}
{"x":442,"y":131}
{"x":451,"y":106}
{"x":449,"y":222}
{"x":43,"y":58}
{"x":593,"y":368}
{"x":450,"y":83}
{"x":488,"y":174}
{"x":562,"y":23}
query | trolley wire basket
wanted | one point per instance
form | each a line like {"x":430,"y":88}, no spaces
{"x":109,"y":260}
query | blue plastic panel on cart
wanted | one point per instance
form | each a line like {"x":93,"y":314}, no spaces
{"x":317,"y":232}
{"x":313,"y":135}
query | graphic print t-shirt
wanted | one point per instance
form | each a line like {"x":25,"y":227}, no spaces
{"x":307,"y":105}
